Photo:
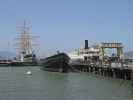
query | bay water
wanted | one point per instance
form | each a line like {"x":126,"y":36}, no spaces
{"x":15,"y":84}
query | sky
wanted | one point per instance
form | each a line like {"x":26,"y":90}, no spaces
{"x":65,"y":24}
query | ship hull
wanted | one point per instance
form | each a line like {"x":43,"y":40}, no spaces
{"x":23,"y":64}
{"x":56,"y":63}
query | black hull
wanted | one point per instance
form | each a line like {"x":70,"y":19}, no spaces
{"x":23,"y":64}
{"x":51,"y":69}
{"x":4,"y":65}
{"x":56,"y":63}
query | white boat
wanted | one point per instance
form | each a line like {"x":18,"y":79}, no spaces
{"x":28,"y":73}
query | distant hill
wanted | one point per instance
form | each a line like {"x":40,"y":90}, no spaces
{"x":128,"y":54}
{"x":6,"y":55}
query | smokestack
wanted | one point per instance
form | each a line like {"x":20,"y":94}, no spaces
{"x":86,"y":44}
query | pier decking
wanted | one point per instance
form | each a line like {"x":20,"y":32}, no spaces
{"x":95,"y":59}
{"x":125,"y":73}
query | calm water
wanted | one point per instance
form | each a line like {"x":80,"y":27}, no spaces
{"x":42,"y":85}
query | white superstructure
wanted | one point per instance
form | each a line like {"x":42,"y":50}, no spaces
{"x":85,"y":53}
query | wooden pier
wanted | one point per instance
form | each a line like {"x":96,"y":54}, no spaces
{"x":95,"y":59}
{"x":120,"y":73}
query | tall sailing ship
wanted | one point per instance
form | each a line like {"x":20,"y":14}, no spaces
{"x":26,"y":55}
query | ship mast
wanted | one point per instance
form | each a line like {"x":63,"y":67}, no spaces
{"x":25,"y":41}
